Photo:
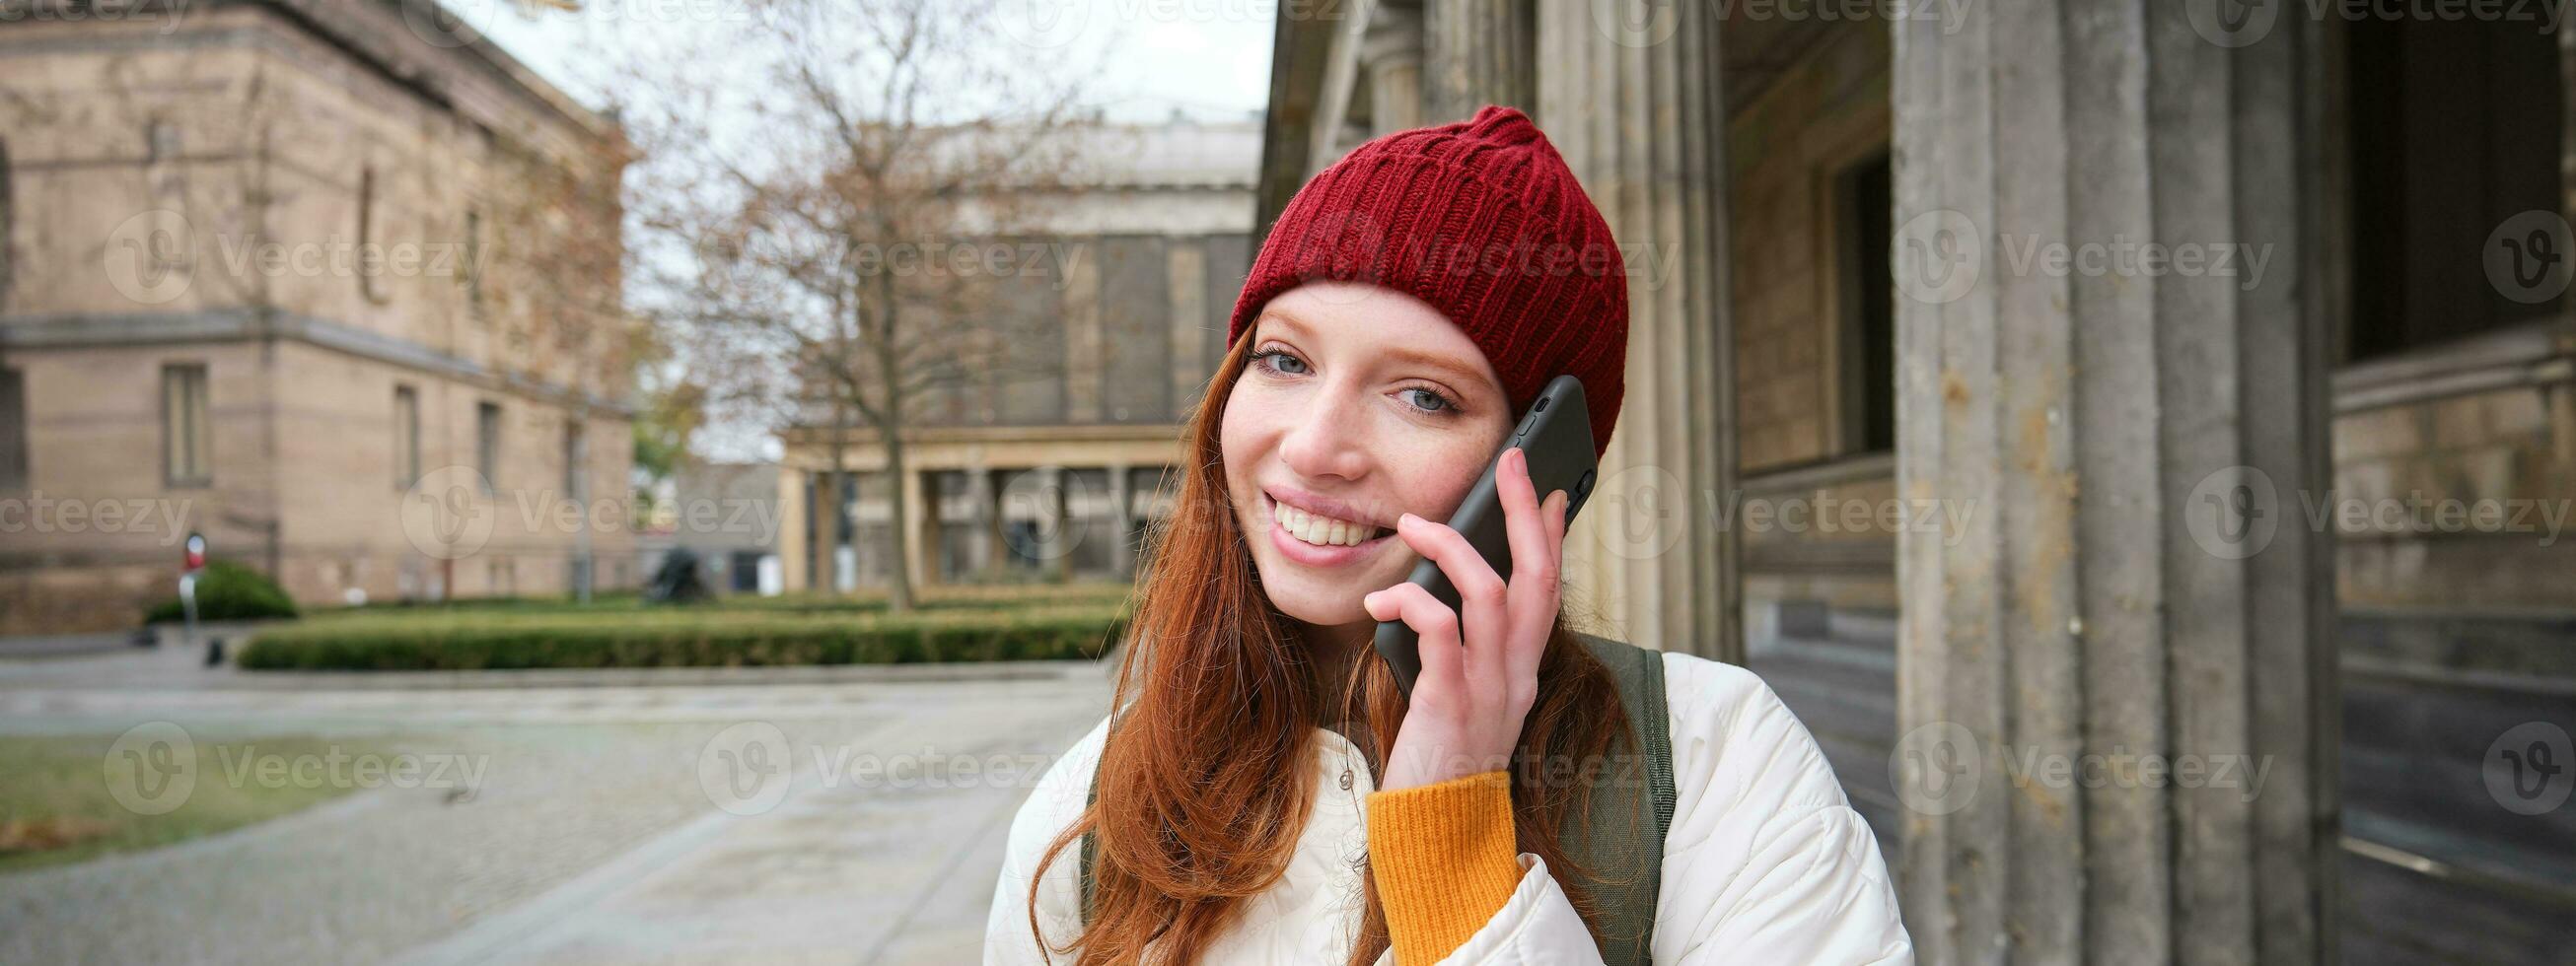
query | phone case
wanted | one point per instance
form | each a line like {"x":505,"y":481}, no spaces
{"x":1556,"y":433}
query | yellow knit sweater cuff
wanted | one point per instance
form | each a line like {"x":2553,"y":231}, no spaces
{"x":1445,"y":861}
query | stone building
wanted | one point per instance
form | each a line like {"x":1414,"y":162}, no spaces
{"x":1052,"y":471}
{"x":317,"y":278}
{"x":2058,"y":381}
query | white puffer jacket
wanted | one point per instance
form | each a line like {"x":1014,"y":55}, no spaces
{"x":1765,"y":861}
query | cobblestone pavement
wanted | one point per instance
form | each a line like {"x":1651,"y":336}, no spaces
{"x":605,"y":823}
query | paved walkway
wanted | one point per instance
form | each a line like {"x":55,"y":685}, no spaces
{"x":759,"y":822}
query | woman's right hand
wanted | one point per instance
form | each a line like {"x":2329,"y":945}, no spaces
{"x":1480,"y":662}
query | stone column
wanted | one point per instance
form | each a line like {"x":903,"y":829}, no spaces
{"x":1122,"y":555}
{"x":1629,"y":92}
{"x":2124,"y":435}
{"x":1477,"y":52}
{"x":794,"y":540}
{"x":1055,"y":525}
{"x":1392,"y":55}
{"x":984,"y":546}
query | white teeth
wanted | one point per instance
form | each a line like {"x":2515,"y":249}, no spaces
{"x":1319,"y":530}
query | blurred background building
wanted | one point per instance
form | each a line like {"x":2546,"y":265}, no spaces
{"x":727,"y":515}
{"x":2384,"y":163}
{"x":1051,"y":471}
{"x":346,"y":267}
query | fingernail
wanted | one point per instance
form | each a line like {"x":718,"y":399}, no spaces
{"x":1404,"y":519}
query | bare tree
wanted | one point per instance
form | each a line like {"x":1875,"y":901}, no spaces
{"x":834,"y":247}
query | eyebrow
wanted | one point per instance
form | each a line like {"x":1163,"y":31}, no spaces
{"x":1441,"y":363}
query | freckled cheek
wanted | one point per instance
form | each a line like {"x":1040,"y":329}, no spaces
{"x":1440,"y":471}
{"x":1248,"y":435}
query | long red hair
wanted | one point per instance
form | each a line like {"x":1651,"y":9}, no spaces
{"x":1207,"y":776}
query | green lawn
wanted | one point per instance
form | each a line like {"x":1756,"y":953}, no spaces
{"x":56,"y":806}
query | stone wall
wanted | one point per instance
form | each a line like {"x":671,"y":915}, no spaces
{"x":211,"y":191}
{"x":2458,"y":502}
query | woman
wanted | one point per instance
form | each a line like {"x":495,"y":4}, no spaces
{"x":1265,"y":794}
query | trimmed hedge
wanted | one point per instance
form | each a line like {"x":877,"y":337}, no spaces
{"x":228,"y":591}
{"x":405,"y":643}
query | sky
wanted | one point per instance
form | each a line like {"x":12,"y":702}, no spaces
{"x":1208,"y":58}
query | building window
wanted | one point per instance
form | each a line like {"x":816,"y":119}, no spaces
{"x":474,"y":262}
{"x":8,"y":201}
{"x":13,"y":430}
{"x":160,"y":142}
{"x":406,"y":436}
{"x":366,"y":227}
{"x":487,"y":443}
{"x":2454,"y":133}
{"x":1866,"y":352}
{"x":187,"y":451}
{"x":574,"y":454}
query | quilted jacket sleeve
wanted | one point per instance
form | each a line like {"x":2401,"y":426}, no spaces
{"x":1765,"y":861}
{"x":1052,"y":806}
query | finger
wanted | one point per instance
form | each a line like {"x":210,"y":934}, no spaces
{"x":1534,"y":568}
{"x":1482,"y":611}
{"x":1557,"y":522}
{"x":1436,"y":626}
{"x":1526,"y":656}
{"x":1521,"y":521}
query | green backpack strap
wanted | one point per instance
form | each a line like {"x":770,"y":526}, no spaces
{"x":1622,"y":840}
{"x":1090,"y":839}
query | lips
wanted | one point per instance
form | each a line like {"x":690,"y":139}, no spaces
{"x":1321,"y":531}
{"x":1313,"y":540}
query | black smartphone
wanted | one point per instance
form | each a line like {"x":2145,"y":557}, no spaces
{"x":1556,"y":434}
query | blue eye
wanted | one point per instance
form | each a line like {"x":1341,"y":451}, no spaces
{"x":1269,"y":359}
{"x":1437,"y":402}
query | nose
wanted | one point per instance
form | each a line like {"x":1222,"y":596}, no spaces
{"x":1333,"y":439}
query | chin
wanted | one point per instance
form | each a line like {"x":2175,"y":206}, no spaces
{"x":1300,"y":597}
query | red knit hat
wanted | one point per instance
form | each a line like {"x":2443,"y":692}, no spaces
{"x":1483,"y":220}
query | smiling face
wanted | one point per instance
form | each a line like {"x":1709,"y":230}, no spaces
{"x":1359,"y":403}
